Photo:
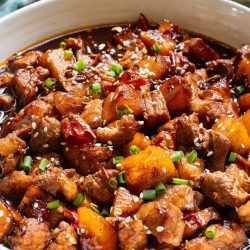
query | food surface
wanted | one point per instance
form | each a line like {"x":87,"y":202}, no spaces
{"x":131,"y":137}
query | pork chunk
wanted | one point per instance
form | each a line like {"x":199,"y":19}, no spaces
{"x":222,"y":67}
{"x":156,"y":112}
{"x":46,"y":135}
{"x":118,"y":132}
{"x":132,"y":235}
{"x":92,"y":113}
{"x":97,"y":185}
{"x":244,"y":214}
{"x":64,"y":237}
{"x":30,"y":235}
{"x":6,"y":101}
{"x":28,"y":59}
{"x":27,"y":81}
{"x":224,"y":189}
{"x":6,"y":79}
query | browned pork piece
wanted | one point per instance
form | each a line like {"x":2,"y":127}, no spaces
{"x":28,"y":59}
{"x":6,"y":101}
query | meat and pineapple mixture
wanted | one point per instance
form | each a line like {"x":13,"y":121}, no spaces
{"x":141,"y":141}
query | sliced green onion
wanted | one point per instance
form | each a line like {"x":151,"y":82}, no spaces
{"x":164,"y":143}
{"x":232,"y":156}
{"x":111,"y":74}
{"x":95,"y":88}
{"x":177,"y":156}
{"x":78,"y":200}
{"x":49,"y":83}
{"x":117,"y":68}
{"x":192,"y":155}
{"x":53,"y":204}
{"x":124,"y":109}
{"x":79,"y":65}
{"x":68,"y":54}
{"x":149,"y":194}
{"x":117,"y":159}
{"x":63,"y":45}
{"x":113,"y":183}
{"x":94,"y":207}
{"x":160,"y":188}
{"x":156,"y":47}
{"x":178,"y":181}
{"x":122,"y":177}
{"x":27,"y":163}
{"x":210,"y":232}
{"x":134,"y":150}
{"x":240,"y":89}
{"x":105,"y":211}
{"x":44,"y":162}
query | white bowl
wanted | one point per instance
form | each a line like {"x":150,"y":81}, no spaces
{"x":223,"y":20}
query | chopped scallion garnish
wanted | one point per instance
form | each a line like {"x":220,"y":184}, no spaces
{"x":178,"y":181}
{"x":63,"y":45}
{"x":113,"y":183}
{"x":44,"y":162}
{"x":160,"y":188}
{"x":105,"y":211}
{"x":53,"y":204}
{"x":78,"y":200}
{"x":122,"y":177}
{"x":94,"y":207}
{"x":95,"y":88}
{"x":79,"y":65}
{"x":117,"y":68}
{"x":134,"y":150}
{"x":123,"y":110}
{"x":49,"y":83}
{"x":149,"y":194}
{"x":156,"y":47}
{"x":177,"y":156}
{"x":232,"y":156}
{"x":68,"y":54}
{"x":192,"y":155}
{"x":111,"y":74}
{"x":210,"y":232}
{"x":27,"y":163}
{"x":117,"y":159}
{"x":240,"y":89}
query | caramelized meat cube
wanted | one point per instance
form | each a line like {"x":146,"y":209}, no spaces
{"x":147,"y":168}
{"x":98,"y":233}
{"x":222,"y":67}
{"x":198,"y":50}
{"x":26,"y":82}
{"x":12,"y":149}
{"x":6,"y":220}
{"x":132,"y":235}
{"x":55,"y":62}
{"x":177,"y":94}
{"x":87,"y":159}
{"x":229,"y":234}
{"x":156,"y":112}
{"x":182,"y":196}
{"x":6,"y":79}
{"x":198,"y":220}
{"x":124,"y":96}
{"x":64,"y":237}
{"x":125,"y":204}
{"x":46,"y":135}
{"x":244,"y":214}
{"x":164,"y":222}
{"x":28,"y":59}
{"x":6,"y":102}
{"x":30,"y":235}
{"x":224,"y":189}
{"x":118,"y":132}
{"x":244,"y":102}
{"x":97,"y":185}
{"x":92,"y":113}
{"x":66,"y":103}
{"x":151,"y":37}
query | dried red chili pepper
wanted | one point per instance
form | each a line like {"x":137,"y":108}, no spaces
{"x":76,"y":131}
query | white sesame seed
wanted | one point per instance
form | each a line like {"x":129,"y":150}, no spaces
{"x":1,"y":213}
{"x":110,"y":143}
{"x":134,"y":56}
{"x":8,"y":219}
{"x":159,"y":229}
{"x":141,"y":122}
{"x":201,"y":125}
{"x":110,"y":148}
{"x":95,"y":119}
{"x":72,"y":240}
{"x":38,"y":158}
{"x":98,"y":144}
{"x":242,"y":145}
{"x":135,"y":198}
{"x":36,"y":134}
{"x":45,"y":129}
{"x":33,"y":125}
{"x":220,"y":125}
{"x":52,"y":159}
{"x":223,"y":128}
{"x":210,"y":153}
{"x":35,"y":205}
{"x":45,"y":145}
{"x":196,"y":139}
{"x":117,"y":212}
{"x":216,"y":120}
{"x":63,"y":143}
{"x":148,"y":232}
{"x":118,"y":165}
{"x":141,"y":195}
{"x":164,"y":170}
{"x":66,"y":149}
